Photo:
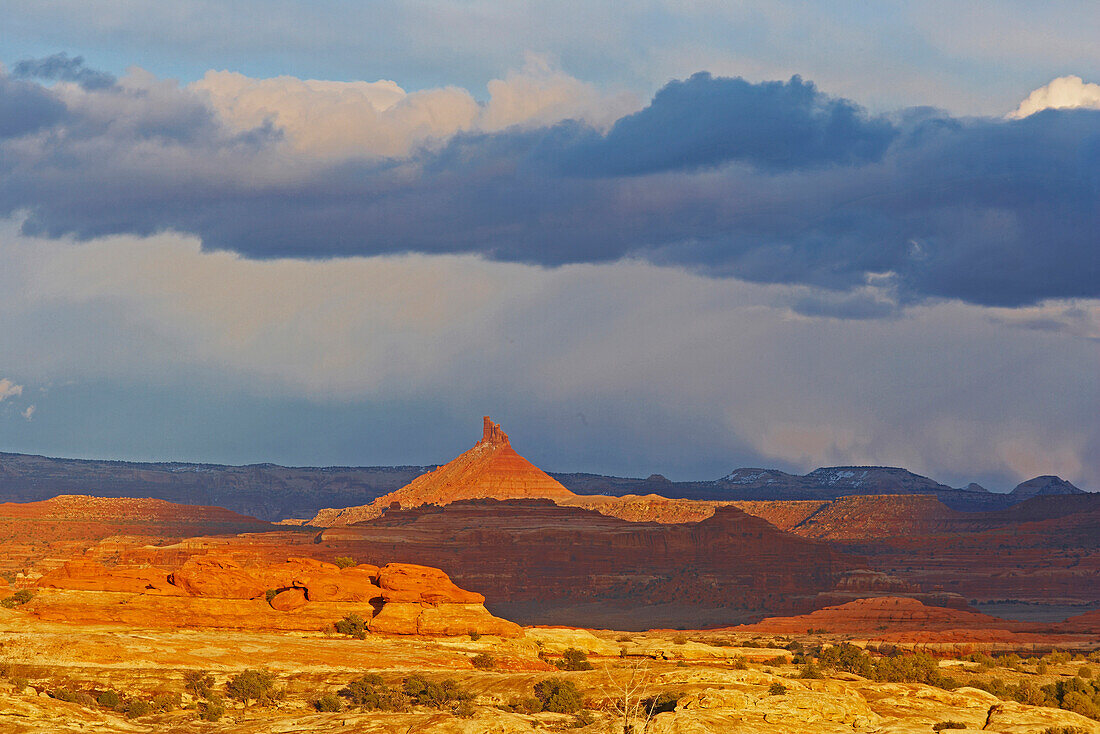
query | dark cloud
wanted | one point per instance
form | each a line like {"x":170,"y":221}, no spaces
{"x":771,"y":182}
{"x":703,"y":122}
{"x":61,"y":67}
{"x":26,"y":107}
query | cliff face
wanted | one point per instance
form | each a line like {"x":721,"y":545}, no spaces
{"x":535,"y":550}
{"x":491,"y":468}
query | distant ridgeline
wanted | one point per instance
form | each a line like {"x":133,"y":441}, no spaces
{"x":272,"y":492}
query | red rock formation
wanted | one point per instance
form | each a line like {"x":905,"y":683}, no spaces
{"x":491,"y":468}
{"x":413,"y":599}
{"x":869,"y":616}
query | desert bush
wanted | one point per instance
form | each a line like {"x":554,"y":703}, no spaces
{"x":109,"y":699}
{"x":483,"y":661}
{"x":1064,"y":730}
{"x":679,"y":640}
{"x":474,"y":635}
{"x":739,"y":662}
{"x":948,"y":725}
{"x":526,"y":705}
{"x":624,"y":638}
{"x":573,"y":659}
{"x":777,"y":689}
{"x":270,"y":594}
{"x":344,"y":561}
{"x":17,"y":599}
{"x":1041,"y":668}
{"x":558,"y":695}
{"x":198,"y":683}
{"x":370,"y":692}
{"x":463,"y":709}
{"x":136,"y":708}
{"x":777,"y":660}
{"x":211,"y":709}
{"x":424,"y":692}
{"x":164,"y":702}
{"x":847,"y":658}
{"x":252,"y":686}
{"x":1084,"y":672}
{"x":810,"y":670}
{"x":352,"y":625}
{"x":328,"y":702}
{"x":914,"y":667}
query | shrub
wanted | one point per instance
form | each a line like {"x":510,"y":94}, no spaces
{"x":573,"y":659}
{"x":848,"y":658}
{"x":915,"y":667}
{"x":948,"y":725}
{"x":527,"y":705}
{"x":164,"y":702}
{"x":352,"y":625}
{"x":252,"y":685}
{"x":135,"y":708}
{"x":212,"y":709}
{"x":483,"y":661}
{"x":474,"y":635}
{"x":198,"y":683}
{"x":370,"y":692}
{"x":109,"y":699}
{"x":463,"y":709}
{"x":558,"y":695}
{"x":19,"y":598}
{"x":777,"y":689}
{"x":679,"y":640}
{"x":271,"y":594}
{"x":1064,"y":730}
{"x":1084,"y":672}
{"x":624,"y":638}
{"x":583,"y":718}
{"x":810,"y":671}
{"x":424,"y":692}
{"x":328,"y":702}
{"x":344,"y":561}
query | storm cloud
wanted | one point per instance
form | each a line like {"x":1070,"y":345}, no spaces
{"x":774,"y":182}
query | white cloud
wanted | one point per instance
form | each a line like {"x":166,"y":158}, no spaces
{"x":28,"y":413}
{"x":1065,"y":92}
{"x":9,"y":389}
{"x":380,"y":119}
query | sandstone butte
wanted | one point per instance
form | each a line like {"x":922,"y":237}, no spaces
{"x":491,"y":469}
{"x":299,"y":594}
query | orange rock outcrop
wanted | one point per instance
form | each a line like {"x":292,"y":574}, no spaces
{"x":492,"y":468}
{"x":215,"y":590}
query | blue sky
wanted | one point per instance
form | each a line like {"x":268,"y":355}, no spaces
{"x":659,"y":238}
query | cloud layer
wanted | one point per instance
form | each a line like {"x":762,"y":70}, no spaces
{"x":625,"y":367}
{"x":772,"y":182}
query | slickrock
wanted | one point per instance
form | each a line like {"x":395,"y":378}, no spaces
{"x":88,"y":575}
{"x":491,"y":468}
{"x":406,"y":582}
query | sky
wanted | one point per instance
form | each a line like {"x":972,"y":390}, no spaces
{"x":656,"y":238}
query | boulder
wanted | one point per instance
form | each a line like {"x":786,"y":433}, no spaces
{"x":407,"y":582}
{"x":350,"y":584}
{"x":408,"y":618}
{"x":89,"y":575}
{"x":288,"y":600}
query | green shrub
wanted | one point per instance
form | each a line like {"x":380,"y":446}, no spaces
{"x":484,"y":661}
{"x":271,"y":594}
{"x":777,"y":689}
{"x":424,"y":692}
{"x":573,"y":659}
{"x":1064,"y":730}
{"x":164,"y":702}
{"x":810,"y":671}
{"x":558,"y":695}
{"x":463,"y":709}
{"x":198,"y":683}
{"x":212,"y":709}
{"x":474,"y":635}
{"x":352,"y":625}
{"x":328,"y":702}
{"x":847,"y":658}
{"x":679,"y":640}
{"x":136,"y":708}
{"x":109,"y":699}
{"x":526,"y":705}
{"x":948,"y":725}
{"x":582,"y":718}
{"x":17,"y":599}
{"x":739,"y":662}
{"x":252,"y":686}
{"x":371,"y":693}
{"x":1084,"y":672}
{"x":344,"y":561}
